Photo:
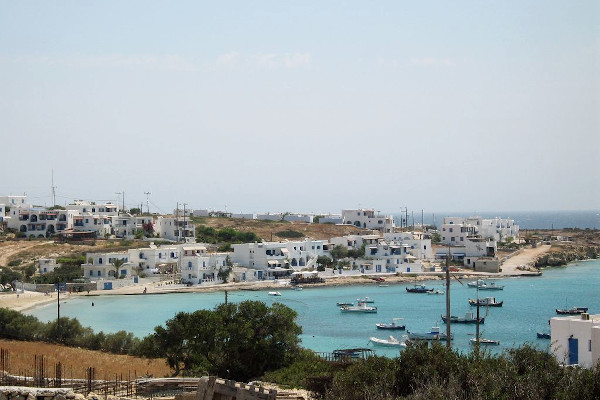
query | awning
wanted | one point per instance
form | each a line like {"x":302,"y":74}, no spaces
{"x":272,"y":262}
{"x":285,"y":251}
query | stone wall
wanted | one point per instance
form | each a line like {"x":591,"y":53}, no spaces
{"x":31,"y":393}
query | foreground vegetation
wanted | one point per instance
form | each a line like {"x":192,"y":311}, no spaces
{"x":250,"y":340}
{"x":423,"y":372}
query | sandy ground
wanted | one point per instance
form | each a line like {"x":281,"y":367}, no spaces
{"x":22,"y":301}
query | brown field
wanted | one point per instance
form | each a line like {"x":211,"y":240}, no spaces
{"x":76,"y":361}
{"x":267,"y":229}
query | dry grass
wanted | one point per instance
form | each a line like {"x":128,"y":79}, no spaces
{"x":76,"y":361}
{"x":267,"y":229}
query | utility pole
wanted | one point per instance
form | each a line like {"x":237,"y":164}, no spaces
{"x":448,"y":330}
{"x":477,"y":325}
{"x":148,"y":201}
{"x":184,"y":221}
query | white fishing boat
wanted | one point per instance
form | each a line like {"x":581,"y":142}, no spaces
{"x":483,"y":285}
{"x":274,"y":294}
{"x":360,"y":308}
{"x":390,"y":342}
{"x":366,"y":300}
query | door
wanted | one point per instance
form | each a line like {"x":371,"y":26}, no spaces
{"x":573,"y":351}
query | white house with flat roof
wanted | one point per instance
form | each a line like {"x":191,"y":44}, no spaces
{"x":576,"y":340}
{"x":456,"y":230}
{"x":46,"y":265}
{"x":39,"y":221}
{"x":178,"y":229}
{"x":83,"y":207}
{"x":277,"y":259}
{"x":369,"y":219}
{"x":14,"y":201}
{"x":100,"y":265}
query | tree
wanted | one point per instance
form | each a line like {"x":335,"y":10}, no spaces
{"x":324,"y":261}
{"x":117,"y":263}
{"x":235,"y":341}
{"x":338,"y":252}
{"x":135,"y":211}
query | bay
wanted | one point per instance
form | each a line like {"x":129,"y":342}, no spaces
{"x":529,"y":303}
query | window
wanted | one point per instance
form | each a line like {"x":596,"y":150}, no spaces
{"x":100,"y":260}
{"x":99,"y":273}
{"x":462,"y":239}
{"x":189,"y":264}
{"x":452,"y":239}
{"x":451,"y":229}
{"x":91,"y":273}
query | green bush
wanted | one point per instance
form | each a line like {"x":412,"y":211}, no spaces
{"x":290,"y":234}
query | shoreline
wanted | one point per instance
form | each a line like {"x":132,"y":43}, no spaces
{"x":23,"y":301}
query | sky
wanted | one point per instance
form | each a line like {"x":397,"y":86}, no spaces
{"x":303,"y":106}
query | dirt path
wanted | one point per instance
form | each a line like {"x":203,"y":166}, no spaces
{"x":525,"y":258}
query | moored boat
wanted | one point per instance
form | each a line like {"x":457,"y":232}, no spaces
{"x":274,"y":294}
{"x":469,"y":318}
{"x":572,"y":311}
{"x":436,"y":291}
{"x":486,"y":302}
{"x":542,"y":335}
{"x":360,"y":308}
{"x":433,"y":334}
{"x":485,"y":341}
{"x":367,"y":299}
{"x":483,"y":285}
{"x":418,"y":289}
{"x":392,"y":326}
{"x":391,"y":342}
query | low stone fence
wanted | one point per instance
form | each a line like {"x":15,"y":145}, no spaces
{"x":29,"y":393}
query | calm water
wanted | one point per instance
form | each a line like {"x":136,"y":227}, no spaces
{"x":528,"y":304}
{"x":525,"y":219}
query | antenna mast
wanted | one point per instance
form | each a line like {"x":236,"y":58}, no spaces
{"x":148,"y":201}
{"x":53,"y":190}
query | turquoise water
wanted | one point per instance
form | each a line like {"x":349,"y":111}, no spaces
{"x":528,"y":305}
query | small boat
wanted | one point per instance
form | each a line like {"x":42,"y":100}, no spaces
{"x":360,"y":308}
{"x":366,"y":300}
{"x":485,"y":341}
{"x":383,"y":285}
{"x":419,"y":289}
{"x":274,"y":294}
{"x":486,"y":302}
{"x":390,"y":342}
{"x":469,"y":318}
{"x":572,"y":311}
{"x":298,"y":287}
{"x":433,"y":334}
{"x":483,"y":285}
{"x":343,"y":304}
{"x":392,"y":326}
{"x":436,"y":291}
{"x":541,"y":335}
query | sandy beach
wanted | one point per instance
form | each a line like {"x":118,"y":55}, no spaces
{"x":22,"y":301}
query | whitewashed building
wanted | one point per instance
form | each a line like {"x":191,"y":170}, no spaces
{"x":177,"y":229}
{"x":14,"y":201}
{"x":39,"y":221}
{"x":154,"y":260}
{"x":576,"y":340}
{"x":331,"y":219}
{"x":456,"y":230}
{"x":100,"y":266}
{"x":278,"y":259}
{"x":369,"y":219}
{"x":82,"y":207}
{"x":46,"y":265}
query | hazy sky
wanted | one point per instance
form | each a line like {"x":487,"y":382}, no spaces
{"x":303,"y":105}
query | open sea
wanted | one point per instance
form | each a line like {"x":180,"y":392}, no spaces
{"x":589,"y":219}
{"x":529,"y":303}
